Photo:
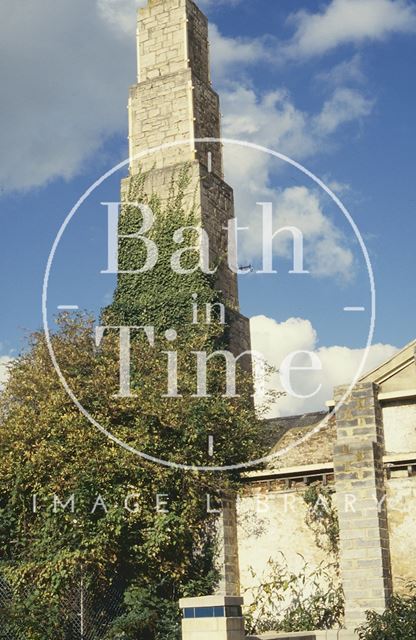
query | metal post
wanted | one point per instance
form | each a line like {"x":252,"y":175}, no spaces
{"x":82,"y":607}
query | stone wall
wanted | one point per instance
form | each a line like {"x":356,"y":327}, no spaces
{"x":217,"y":207}
{"x":160,"y":112}
{"x":399,"y":422}
{"x":213,"y":202}
{"x":228,"y":557}
{"x":271,"y":525}
{"x":206,"y":114}
{"x":173,"y":99}
{"x":173,"y":102}
{"x":359,"y":474}
{"x":401,"y":503}
{"x":271,"y":521}
{"x":375,"y":496}
{"x":198,"y":45}
{"x":162,"y":39}
{"x":176,"y":107}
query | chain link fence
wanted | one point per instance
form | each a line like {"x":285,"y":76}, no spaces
{"x":85,"y":610}
{"x":6,"y":600}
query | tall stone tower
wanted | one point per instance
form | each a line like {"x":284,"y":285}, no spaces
{"x":173,"y":102}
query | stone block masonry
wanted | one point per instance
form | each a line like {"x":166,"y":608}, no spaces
{"x":173,"y":102}
{"x":228,"y":548}
{"x":173,"y":99}
{"x":361,"y":500}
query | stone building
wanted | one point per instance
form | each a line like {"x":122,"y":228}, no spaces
{"x":367,"y":451}
{"x":367,"y":454}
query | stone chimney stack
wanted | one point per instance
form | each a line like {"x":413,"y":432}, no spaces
{"x":170,"y":108}
{"x":173,"y":99}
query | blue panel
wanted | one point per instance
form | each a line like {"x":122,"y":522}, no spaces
{"x":212,"y":612}
{"x":204,"y":612}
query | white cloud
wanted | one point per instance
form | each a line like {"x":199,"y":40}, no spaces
{"x":349,"y":21}
{"x":229,"y":54}
{"x":326,"y":250}
{"x":326,"y":253}
{"x":339,"y":364}
{"x":67,"y":89}
{"x":345,"y":72}
{"x":121,"y":14}
{"x":274,"y":121}
{"x":66,"y":71}
{"x":271,"y":119}
{"x":343,"y":106}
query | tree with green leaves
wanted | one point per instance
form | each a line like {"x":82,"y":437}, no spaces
{"x":82,"y":517}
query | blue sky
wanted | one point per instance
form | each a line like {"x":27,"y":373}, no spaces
{"x":331,"y":84}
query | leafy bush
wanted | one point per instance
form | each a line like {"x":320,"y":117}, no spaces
{"x":312,"y":598}
{"x":398,"y":622}
{"x":302,"y":601}
{"x":322,"y":518}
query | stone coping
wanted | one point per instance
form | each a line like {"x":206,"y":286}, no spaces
{"x":339,"y":634}
{"x":300,"y":635}
{"x":211,"y":601}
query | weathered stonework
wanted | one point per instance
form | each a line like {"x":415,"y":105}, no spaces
{"x":401,"y":500}
{"x":361,"y":499}
{"x":228,"y":562}
{"x":367,"y":439}
{"x":173,"y":99}
{"x":271,"y":524}
{"x":173,"y":102}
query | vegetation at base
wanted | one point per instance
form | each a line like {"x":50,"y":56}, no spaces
{"x":288,"y":600}
{"x":312,"y":597}
{"x":151,"y":557}
{"x":398,"y":622}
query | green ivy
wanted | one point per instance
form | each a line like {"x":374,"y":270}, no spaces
{"x":160,"y":297}
{"x":322,"y":518}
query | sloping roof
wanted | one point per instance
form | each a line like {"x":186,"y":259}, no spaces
{"x":296,"y":433}
{"x":275,"y":428}
{"x":397,"y":373}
